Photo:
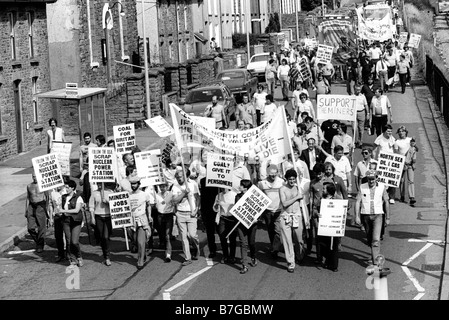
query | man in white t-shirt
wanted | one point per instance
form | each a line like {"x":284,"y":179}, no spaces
{"x":268,"y":109}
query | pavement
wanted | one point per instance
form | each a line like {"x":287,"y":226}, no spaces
{"x":425,"y":120}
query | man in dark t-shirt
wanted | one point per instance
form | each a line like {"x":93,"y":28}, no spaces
{"x":208,"y":215}
{"x":330,"y":129}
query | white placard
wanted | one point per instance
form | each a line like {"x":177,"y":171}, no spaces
{"x":403,"y":36}
{"x":324,"y":54}
{"x":149,"y":167}
{"x":414,"y":40}
{"x":332,"y":220}
{"x":338,"y":107}
{"x":48,"y":172}
{"x":250,"y":206}
{"x":389,"y":168}
{"x":125,"y":138}
{"x":120,"y":209}
{"x":160,"y":126}
{"x":219,"y":170}
{"x":62,"y":151}
{"x":102,"y":164}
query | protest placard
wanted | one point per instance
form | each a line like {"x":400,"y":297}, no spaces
{"x":62,"y":151}
{"x":219,"y":170}
{"x":332,"y":219}
{"x":149,"y":167}
{"x":250,"y":206}
{"x":304,"y":69}
{"x":120,"y":209}
{"x":338,"y":107}
{"x":124,"y":137}
{"x":324,"y":54}
{"x":403,"y":36}
{"x":48,"y":172}
{"x":414,"y":40}
{"x":160,"y":126}
{"x":310,"y":43}
{"x":389,"y":168}
{"x":102,"y":164}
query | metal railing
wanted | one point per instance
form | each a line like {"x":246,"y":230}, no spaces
{"x":439,"y":87}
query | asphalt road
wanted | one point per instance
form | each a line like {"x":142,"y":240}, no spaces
{"x":415,"y":266}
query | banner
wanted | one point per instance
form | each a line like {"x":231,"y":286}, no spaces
{"x":324,"y":54}
{"x":120,"y":209}
{"x":48,"y":172}
{"x":389,"y":168}
{"x":219,"y":170}
{"x":190,"y":136}
{"x":337,"y":107}
{"x":149,"y":167}
{"x":378,"y":27}
{"x":62,"y":151}
{"x":102,"y":164}
{"x":414,"y":40}
{"x":332,"y":220}
{"x":160,"y":126}
{"x":124,"y":137}
{"x":403,"y":36}
{"x":250,"y":206}
{"x":268,"y":141}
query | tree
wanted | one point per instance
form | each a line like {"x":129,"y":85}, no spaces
{"x":273,"y":24}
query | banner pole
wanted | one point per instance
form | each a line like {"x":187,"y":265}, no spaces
{"x":236,"y":225}
{"x":332,"y":243}
{"x":126,"y":238}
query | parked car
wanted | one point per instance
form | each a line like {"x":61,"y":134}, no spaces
{"x":258,"y":63}
{"x":239,"y":81}
{"x":199,"y":98}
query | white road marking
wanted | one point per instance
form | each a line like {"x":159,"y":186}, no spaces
{"x":166,"y":294}
{"x":427,"y":246}
{"x":19,"y":252}
{"x":419,"y":296}
{"x":413,"y":279}
{"x":209,"y":262}
{"x":429,"y":241}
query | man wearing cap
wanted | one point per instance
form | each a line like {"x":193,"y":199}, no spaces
{"x":370,"y":203}
{"x":270,"y":186}
{"x":141,"y":211}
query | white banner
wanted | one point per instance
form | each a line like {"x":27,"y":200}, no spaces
{"x":268,"y":141}
{"x":149,"y":167}
{"x":124,"y":137}
{"x":389,"y":168}
{"x":120,"y":209}
{"x":337,"y":107}
{"x":311,"y":43}
{"x":414,"y":40}
{"x":219,"y":170}
{"x":160,"y":126}
{"x":48,"y":172}
{"x":191,"y":137}
{"x":380,"y":30}
{"x":62,"y":151}
{"x":324,"y":54}
{"x":332,"y":220}
{"x":250,"y":206}
{"x":102,"y":164}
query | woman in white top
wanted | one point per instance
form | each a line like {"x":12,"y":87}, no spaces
{"x":54,"y":134}
{"x":282,"y":72}
{"x":296,"y":94}
{"x":380,"y":109}
{"x":303,"y":105}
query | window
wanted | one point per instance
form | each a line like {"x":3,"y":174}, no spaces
{"x":216,"y":7}
{"x":209,"y":6}
{"x":34,"y":92}
{"x":30,"y":17}
{"x":178,"y":10}
{"x":170,"y":50}
{"x":187,"y":49}
{"x":12,"y":34}
{"x":186,"y":26}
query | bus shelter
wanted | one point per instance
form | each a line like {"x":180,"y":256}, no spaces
{"x":91,"y":105}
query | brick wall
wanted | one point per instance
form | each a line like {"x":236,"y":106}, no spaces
{"x":22,"y":70}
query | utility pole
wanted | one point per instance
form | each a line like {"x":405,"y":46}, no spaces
{"x":297,"y":23}
{"x":145,"y":53}
{"x":248,"y":22}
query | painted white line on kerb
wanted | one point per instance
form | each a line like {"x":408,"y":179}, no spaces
{"x":419,"y":296}
{"x":166,"y":294}
{"x":19,"y":252}
{"x":429,"y":241}
{"x":413,"y":279}
{"x":427,"y":246}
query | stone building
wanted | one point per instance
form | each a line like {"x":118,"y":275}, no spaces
{"x":24,"y":71}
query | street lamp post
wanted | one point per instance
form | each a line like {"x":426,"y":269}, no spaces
{"x":247,"y":16}
{"x":145,"y":53}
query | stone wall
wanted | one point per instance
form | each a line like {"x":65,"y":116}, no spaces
{"x":21,"y":71}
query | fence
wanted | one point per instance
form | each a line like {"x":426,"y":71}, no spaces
{"x":439,"y":87}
